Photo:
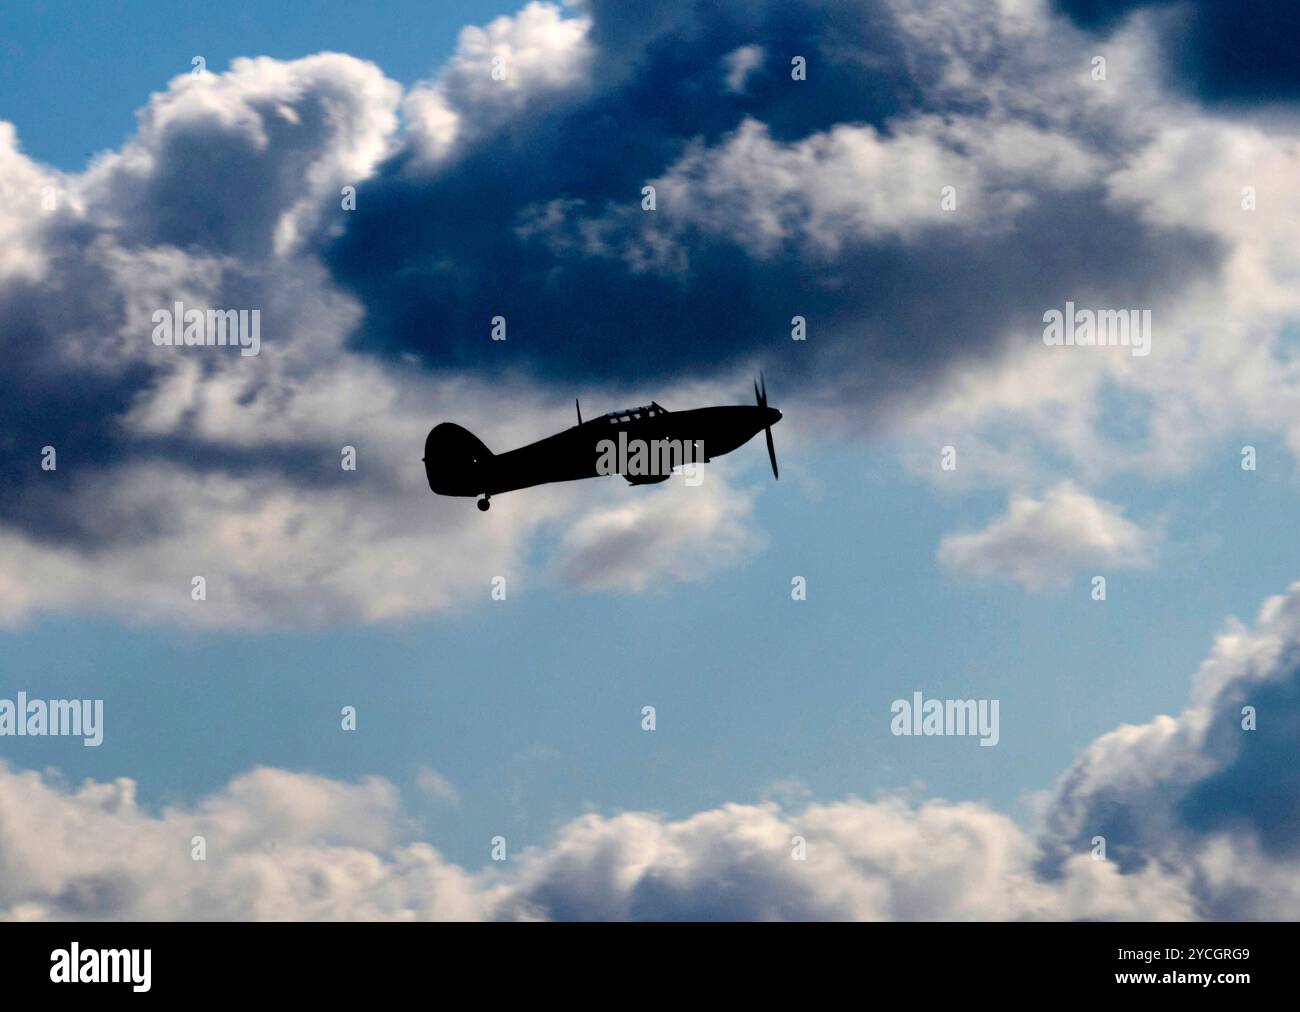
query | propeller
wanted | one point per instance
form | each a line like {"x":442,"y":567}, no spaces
{"x":760,"y":395}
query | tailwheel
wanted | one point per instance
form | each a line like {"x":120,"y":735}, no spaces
{"x":484,"y":504}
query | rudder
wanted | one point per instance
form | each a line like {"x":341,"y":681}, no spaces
{"x":455,"y":460}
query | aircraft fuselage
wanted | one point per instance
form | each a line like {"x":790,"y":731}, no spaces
{"x":455,"y":466}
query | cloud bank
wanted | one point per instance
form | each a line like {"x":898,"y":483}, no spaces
{"x":511,"y":184}
{"x":1200,"y":818}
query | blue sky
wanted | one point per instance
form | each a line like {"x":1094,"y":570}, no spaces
{"x":751,"y":688}
{"x":330,"y":590}
{"x":74,"y":74}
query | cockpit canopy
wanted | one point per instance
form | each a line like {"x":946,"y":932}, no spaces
{"x":651,"y":410}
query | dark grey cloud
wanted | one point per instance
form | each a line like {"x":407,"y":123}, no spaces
{"x":435,"y":256}
{"x":902,"y":312}
{"x":191,"y":209}
{"x":1162,"y":793}
{"x":1256,"y":787}
{"x":432,"y":255}
{"x":777,"y":198}
{"x":1223,"y":52}
{"x":62,"y":391}
{"x":80,"y":367}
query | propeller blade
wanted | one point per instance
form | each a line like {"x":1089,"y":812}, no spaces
{"x":758,"y":398}
{"x":763,"y":382}
{"x":771,"y":453}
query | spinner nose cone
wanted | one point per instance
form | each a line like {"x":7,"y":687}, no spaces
{"x":773,"y":416}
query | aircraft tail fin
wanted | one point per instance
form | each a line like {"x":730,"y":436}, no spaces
{"x":456,"y":461}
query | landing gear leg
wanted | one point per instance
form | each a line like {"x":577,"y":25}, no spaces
{"x":484,"y":504}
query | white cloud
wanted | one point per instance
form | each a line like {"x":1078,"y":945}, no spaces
{"x":852,"y":183}
{"x":1221,"y":358}
{"x":1034,"y":132}
{"x":1042,"y":542}
{"x":537,"y":56}
{"x":230,"y":187}
{"x":221,"y":200}
{"x":838,"y":187}
{"x":678,"y":532}
{"x":1211,"y":792}
{"x":436,"y":787}
{"x":341,"y":547}
{"x":739,"y":64}
{"x":1189,"y":834}
{"x":25,"y":193}
{"x":283,"y":845}
{"x":249,"y":158}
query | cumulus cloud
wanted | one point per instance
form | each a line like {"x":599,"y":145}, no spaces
{"x":1212,"y":793}
{"x":1198,"y":813}
{"x":1117,"y":193}
{"x":821,"y":197}
{"x":181,"y":463}
{"x":242,"y":162}
{"x":1221,"y":53}
{"x":519,"y":195}
{"x":435,"y":786}
{"x":497,"y":74}
{"x":278,"y":845}
{"x":1221,"y":359}
{"x":1042,"y":542}
{"x":681,"y":532}
{"x":851,"y":184}
{"x":282,"y":845}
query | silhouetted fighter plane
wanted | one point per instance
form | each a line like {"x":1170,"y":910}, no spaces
{"x":457,"y":463}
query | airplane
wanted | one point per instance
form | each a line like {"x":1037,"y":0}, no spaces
{"x":457,"y":463}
